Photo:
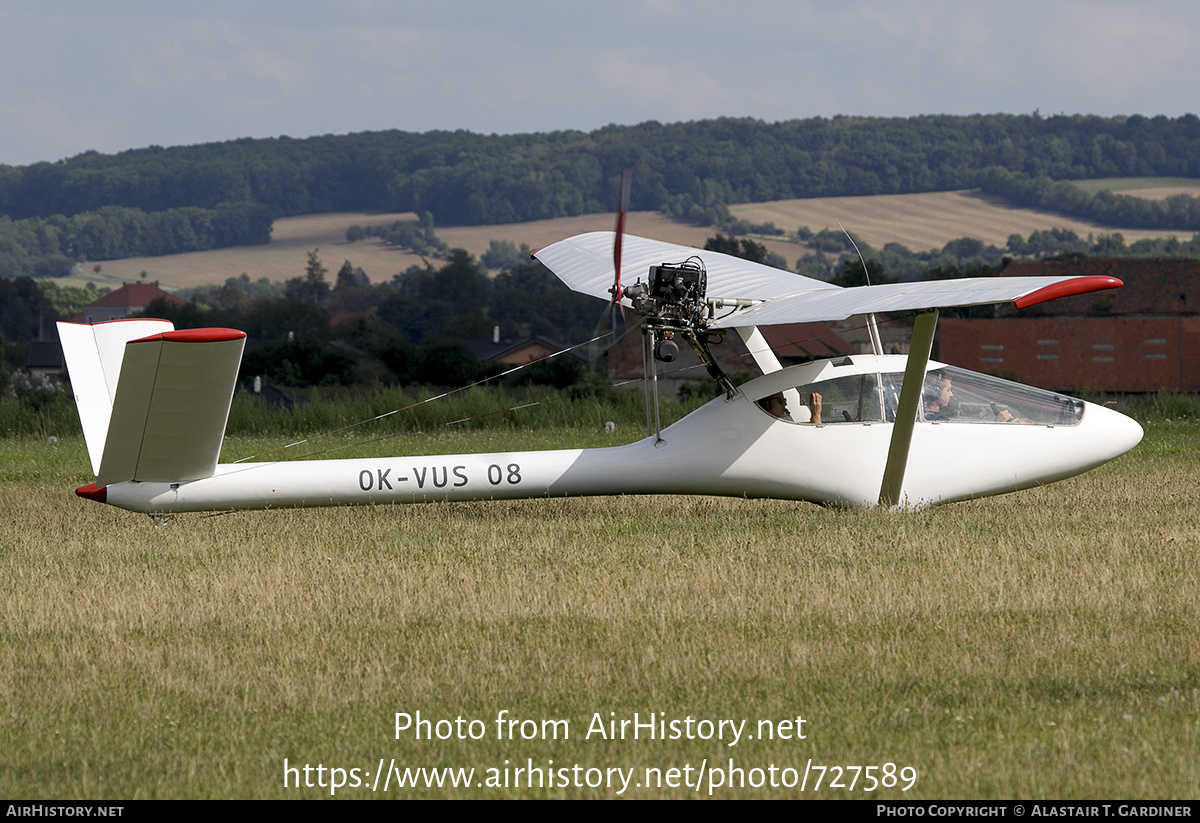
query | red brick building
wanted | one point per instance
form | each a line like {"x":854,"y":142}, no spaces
{"x":1139,"y":338}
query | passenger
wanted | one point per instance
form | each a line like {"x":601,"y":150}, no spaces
{"x":776,"y":406}
{"x":937,"y":397}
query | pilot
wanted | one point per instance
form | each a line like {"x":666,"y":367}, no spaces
{"x":937,"y":396}
{"x":776,"y":406}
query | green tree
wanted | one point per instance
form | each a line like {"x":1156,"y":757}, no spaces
{"x":742,"y":247}
{"x":852,"y":274}
{"x":502,"y":254}
{"x":349,"y":277}
{"x":312,"y":288}
{"x":1110,"y":245}
{"x":25,"y":313}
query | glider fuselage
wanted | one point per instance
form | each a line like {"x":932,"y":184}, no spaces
{"x":729,"y":447}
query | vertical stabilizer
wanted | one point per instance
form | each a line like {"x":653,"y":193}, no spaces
{"x":94,"y":353}
{"x":171,"y":407}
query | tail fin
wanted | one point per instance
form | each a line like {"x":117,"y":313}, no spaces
{"x":166,"y":413}
{"x":94,"y":353}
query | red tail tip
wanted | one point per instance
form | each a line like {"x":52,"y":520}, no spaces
{"x":93,"y":492}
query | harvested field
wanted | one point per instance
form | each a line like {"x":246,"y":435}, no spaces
{"x":918,"y":221}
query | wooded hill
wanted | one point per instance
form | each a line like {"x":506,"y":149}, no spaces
{"x":690,"y":170}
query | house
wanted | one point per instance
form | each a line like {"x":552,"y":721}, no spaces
{"x":517,"y":351}
{"x":1138,"y":338}
{"x":125,"y":301}
{"x":45,"y":359}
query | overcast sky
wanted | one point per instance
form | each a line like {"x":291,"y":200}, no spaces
{"x":117,"y":74}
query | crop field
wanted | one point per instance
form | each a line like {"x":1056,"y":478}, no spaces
{"x":1036,"y":645}
{"x":922,"y":221}
{"x":918,"y":221}
{"x":1154,"y":188}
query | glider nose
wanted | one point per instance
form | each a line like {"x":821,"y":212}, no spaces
{"x":1120,"y":433}
{"x":1129,"y":432}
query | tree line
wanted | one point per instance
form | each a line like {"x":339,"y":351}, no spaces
{"x":50,"y":246}
{"x":1179,"y":212}
{"x":693,"y":170}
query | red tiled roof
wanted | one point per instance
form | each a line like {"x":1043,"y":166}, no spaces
{"x":136,"y":296}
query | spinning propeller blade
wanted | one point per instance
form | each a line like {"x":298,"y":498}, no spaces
{"x":613,"y":315}
{"x":619,"y":238}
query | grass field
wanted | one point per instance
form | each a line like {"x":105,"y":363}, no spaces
{"x":1037,"y":645}
{"x":918,"y":221}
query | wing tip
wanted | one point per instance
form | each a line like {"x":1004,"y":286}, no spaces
{"x":1068,"y":288}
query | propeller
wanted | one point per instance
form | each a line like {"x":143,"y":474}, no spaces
{"x":613,"y":315}
{"x":619,"y":236}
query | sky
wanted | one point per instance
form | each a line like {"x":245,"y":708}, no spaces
{"x":110,"y":75}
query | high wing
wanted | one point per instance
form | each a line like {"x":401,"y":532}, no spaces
{"x":584,"y":263}
{"x":829,"y":304}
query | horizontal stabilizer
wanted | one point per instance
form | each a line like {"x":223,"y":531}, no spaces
{"x":171,"y":406}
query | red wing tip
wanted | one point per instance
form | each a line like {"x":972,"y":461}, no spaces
{"x":194,"y":336}
{"x":93,"y":492}
{"x":1068,"y":288}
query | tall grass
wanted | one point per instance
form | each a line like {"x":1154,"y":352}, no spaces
{"x":48,"y":414}
{"x":1165,"y":404}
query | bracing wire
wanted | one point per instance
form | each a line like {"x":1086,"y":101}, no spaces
{"x":444,"y":394}
{"x":451,"y":392}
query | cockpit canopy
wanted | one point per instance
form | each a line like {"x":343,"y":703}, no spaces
{"x":949,"y":395}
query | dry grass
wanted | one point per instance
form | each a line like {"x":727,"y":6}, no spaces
{"x":1035,"y":645}
{"x":918,"y":221}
